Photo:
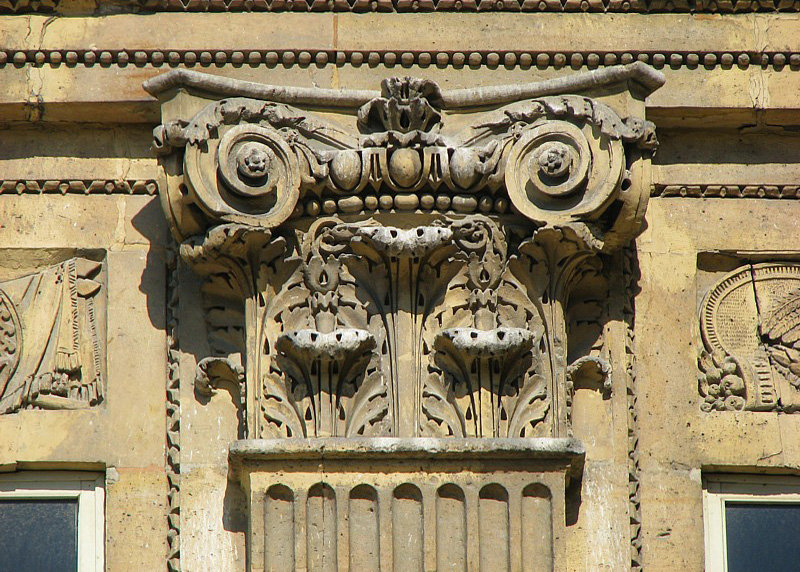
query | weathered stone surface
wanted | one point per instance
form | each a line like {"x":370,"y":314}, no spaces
{"x":412,"y":324}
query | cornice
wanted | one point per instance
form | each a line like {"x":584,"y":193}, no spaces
{"x":287,"y":58}
{"x":406,"y":6}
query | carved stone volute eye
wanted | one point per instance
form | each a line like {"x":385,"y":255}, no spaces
{"x":253,"y":161}
{"x":551,"y":160}
{"x":250,"y":162}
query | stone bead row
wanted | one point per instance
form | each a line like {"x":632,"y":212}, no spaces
{"x":408,"y":202}
{"x":457,"y":59}
{"x":87,"y":187}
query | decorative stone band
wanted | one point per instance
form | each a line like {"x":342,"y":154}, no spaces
{"x":727,"y":191}
{"x":779,"y":60}
{"x":623,"y":6}
{"x":83,"y":187}
{"x":25,"y":6}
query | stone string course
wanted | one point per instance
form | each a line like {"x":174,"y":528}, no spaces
{"x":630,"y":271}
{"x":84,"y":187}
{"x":474,"y":59}
{"x":401,"y":201}
{"x":727,"y":191}
{"x":611,"y":6}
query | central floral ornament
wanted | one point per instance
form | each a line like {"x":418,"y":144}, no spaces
{"x":417,"y":271}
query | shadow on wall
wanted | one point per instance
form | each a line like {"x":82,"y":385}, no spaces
{"x":152,"y":225}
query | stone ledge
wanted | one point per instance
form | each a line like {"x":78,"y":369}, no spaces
{"x":474,"y":449}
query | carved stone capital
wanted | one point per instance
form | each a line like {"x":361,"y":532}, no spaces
{"x":409,"y":272}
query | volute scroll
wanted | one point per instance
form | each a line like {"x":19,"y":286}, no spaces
{"x":249,"y":175}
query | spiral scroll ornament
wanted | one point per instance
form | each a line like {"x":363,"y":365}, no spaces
{"x":255,"y":177}
{"x":559,"y":171}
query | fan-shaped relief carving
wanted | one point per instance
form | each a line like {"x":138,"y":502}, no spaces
{"x":51,"y":332}
{"x":751,"y":356}
{"x":10,"y":341}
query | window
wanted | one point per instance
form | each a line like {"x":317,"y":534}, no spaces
{"x":751,"y":523}
{"x":51,"y":521}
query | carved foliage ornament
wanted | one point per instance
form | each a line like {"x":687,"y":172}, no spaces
{"x":750,"y":323}
{"x":410,"y":274}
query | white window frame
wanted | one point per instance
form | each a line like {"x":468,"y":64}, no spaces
{"x":719,"y":489}
{"x":87,"y":488}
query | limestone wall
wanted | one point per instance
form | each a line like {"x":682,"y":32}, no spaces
{"x":80,"y":180}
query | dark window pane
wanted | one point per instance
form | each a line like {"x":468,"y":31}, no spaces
{"x":762,"y":536}
{"x":38,"y":535}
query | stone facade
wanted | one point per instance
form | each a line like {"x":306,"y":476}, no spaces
{"x":389,"y":285}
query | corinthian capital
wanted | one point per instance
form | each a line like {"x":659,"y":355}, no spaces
{"x":402,"y":261}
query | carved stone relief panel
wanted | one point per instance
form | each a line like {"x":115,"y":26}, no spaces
{"x":750,"y":324}
{"x":52,"y":323}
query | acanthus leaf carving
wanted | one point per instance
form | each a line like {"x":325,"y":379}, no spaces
{"x":721,"y":382}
